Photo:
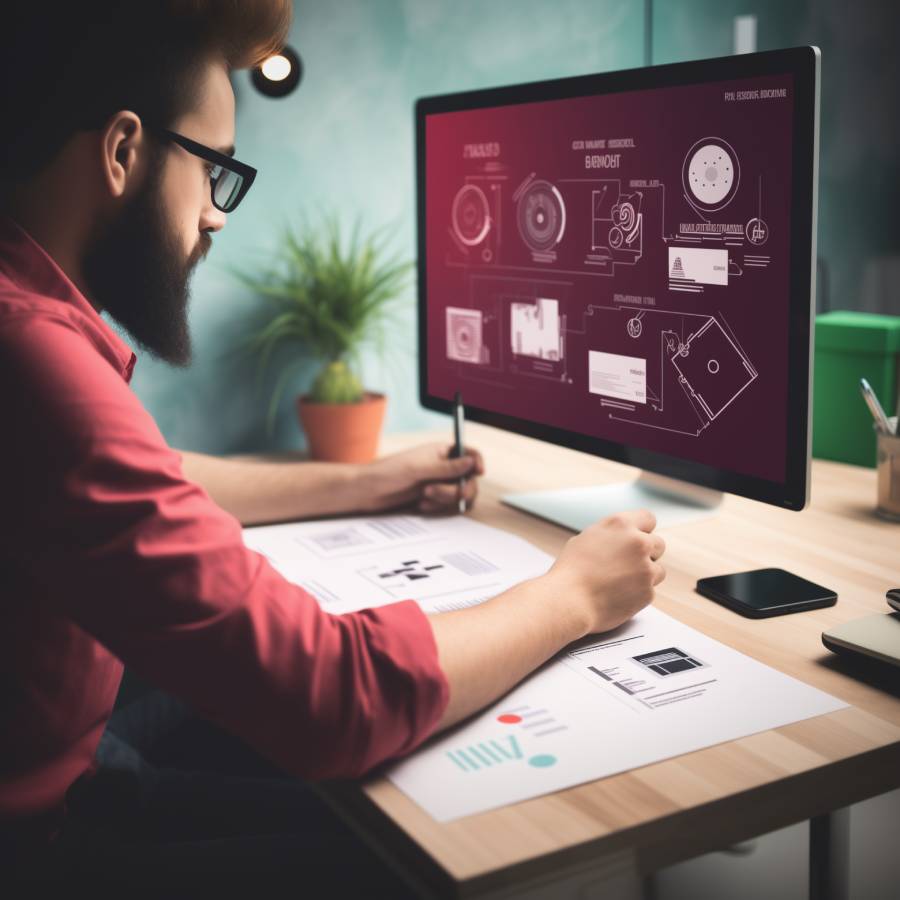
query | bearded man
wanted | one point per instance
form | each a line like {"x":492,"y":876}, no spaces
{"x":116,"y":169}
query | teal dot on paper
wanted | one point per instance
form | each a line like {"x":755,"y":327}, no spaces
{"x":542,"y":760}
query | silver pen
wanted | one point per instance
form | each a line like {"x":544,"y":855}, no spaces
{"x":881,"y":420}
{"x":457,"y":451}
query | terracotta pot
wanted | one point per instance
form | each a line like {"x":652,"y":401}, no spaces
{"x":343,"y":432}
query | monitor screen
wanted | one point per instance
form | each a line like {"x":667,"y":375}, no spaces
{"x":626,"y":268}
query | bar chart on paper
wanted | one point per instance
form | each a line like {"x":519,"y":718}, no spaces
{"x":659,"y":687}
{"x":517,"y":721}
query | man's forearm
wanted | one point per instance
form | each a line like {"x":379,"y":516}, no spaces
{"x":257,"y":491}
{"x":486,"y":650}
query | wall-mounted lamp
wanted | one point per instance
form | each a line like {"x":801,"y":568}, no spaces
{"x":278,"y":75}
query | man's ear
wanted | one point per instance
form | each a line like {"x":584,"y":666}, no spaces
{"x":123,"y":138}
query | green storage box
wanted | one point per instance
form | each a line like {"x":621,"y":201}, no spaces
{"x":849,"y":346}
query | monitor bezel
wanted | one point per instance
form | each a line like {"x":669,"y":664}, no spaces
{"x":803,"y":64}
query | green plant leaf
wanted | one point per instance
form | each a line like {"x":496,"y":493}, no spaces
{"x":328,"y":298}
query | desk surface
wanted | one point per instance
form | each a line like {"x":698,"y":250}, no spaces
{"x":663,"y":813}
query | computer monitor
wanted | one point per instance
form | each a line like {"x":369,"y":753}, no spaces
{"x":624,"y":264}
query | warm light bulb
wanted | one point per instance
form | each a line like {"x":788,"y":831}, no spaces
{"x":279,"y":74}
{"x":276,"y":68}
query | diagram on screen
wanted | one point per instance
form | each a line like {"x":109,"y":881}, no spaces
{"x":711,"y":179}
{"x":711,"y":175}
{"x":535,"y":329}
{"x":541,"y":217}
{"x":693,"y":229}
{"x":475,"y":221}
{"x":711,"y":367}
{"x":667,"y":370}
{"x":514,"y":326}
{"x":616,"y":226}
{"x":602,"y":224}
{"x":465,"y":341}
{"x":690,"y":268}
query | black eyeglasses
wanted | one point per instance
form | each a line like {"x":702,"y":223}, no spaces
{"x":229,"y":179}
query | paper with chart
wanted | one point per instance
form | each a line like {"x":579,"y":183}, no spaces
{"x":647,"y":691}
{"x":443,"y":564}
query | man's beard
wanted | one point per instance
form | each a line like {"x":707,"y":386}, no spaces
{"x":134,"y":269}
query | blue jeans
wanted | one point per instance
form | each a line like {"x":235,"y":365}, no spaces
{"x":221,"y":818}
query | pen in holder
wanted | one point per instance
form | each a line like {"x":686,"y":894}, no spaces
{"x":888,"y":455}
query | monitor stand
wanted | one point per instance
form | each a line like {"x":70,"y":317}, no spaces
{"x":672,"y":500}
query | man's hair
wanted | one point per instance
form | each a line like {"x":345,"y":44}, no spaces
{"x":68,"y":65}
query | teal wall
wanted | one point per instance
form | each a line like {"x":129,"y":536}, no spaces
{"x":344,"y":143}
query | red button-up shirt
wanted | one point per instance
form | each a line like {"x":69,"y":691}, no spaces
{"x":110,"y":556}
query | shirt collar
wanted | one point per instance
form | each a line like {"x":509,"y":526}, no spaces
{"x":25,"y":262}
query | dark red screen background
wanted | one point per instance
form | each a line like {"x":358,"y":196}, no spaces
{"x":600,"y":289}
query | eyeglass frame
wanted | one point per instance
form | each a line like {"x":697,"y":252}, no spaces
{"x":247,"y":173}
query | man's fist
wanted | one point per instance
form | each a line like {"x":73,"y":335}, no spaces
{"x":608,"y":573}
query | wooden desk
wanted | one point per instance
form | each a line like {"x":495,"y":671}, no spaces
{"x":648,"y":818}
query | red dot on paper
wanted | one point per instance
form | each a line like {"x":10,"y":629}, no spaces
{"x":509,"y":719}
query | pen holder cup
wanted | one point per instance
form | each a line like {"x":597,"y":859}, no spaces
{"x":888,"y":456}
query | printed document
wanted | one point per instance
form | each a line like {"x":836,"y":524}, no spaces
{"x":443,"y":564}
{"x":647,"y":691}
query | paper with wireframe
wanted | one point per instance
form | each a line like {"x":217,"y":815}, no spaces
{"x":647,"y":691}
{"x":442,"y":563}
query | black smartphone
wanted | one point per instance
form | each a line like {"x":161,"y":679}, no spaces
{"x":766,"y":592}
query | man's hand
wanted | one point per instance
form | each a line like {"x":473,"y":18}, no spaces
{"x":607,"y":573}
{"x":602,"y":578}
{"x":425,"y":476}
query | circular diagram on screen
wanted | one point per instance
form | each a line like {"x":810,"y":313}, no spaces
{"x":541,"y":216}
{"x":464,"y":334}
{"x":471,"y":215}
{"x":711,"y":174}
{"x":464,"y":339}
{"x":625,"y":216}
{"x":757,"y":231}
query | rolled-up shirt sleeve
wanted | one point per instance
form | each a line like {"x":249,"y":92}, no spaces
{"x":112,"y":536}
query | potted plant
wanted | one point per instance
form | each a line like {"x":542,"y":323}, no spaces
{"x":330,"y":298}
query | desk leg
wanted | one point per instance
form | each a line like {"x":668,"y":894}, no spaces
{"x":829,"y":856}
{"x":650,"y":887}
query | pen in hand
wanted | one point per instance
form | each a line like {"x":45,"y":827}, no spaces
{"x":457,"y":449}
